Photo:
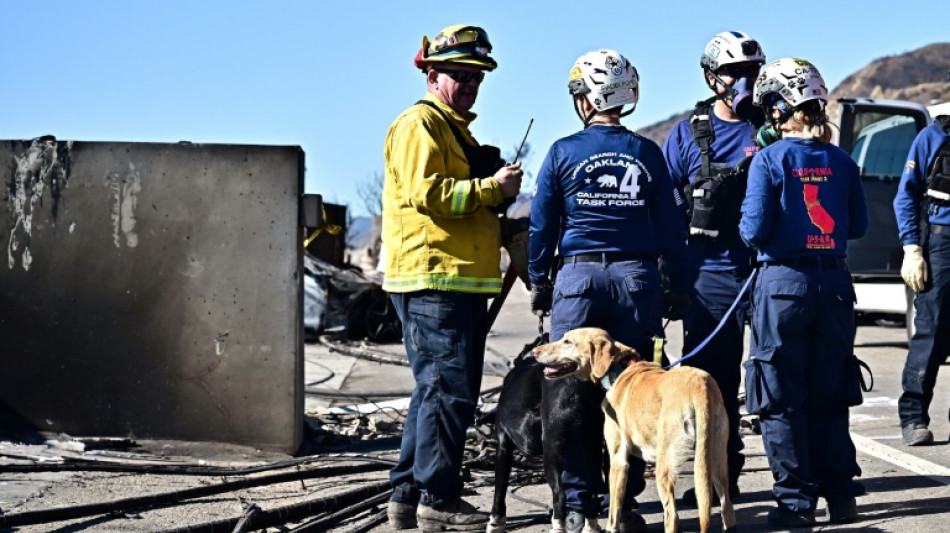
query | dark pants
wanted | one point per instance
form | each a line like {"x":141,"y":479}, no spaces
{"x":444,"y":334}
{"x":712,"y":295}
{"x":801,"y":377}
{"x":624,"y":299}
{"x":931,"y":342}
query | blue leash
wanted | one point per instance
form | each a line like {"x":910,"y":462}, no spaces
{"x":721,"y":322}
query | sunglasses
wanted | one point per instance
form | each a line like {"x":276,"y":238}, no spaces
{"x":739,"y":71}
{"x":462,"y":76}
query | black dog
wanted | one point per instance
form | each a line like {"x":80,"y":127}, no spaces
{"x":538,"y":417}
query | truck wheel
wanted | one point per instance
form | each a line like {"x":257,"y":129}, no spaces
{"x":382,"y":322}
{"x":911,"y":313}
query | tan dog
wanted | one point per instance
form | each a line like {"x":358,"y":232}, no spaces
{"x":665,"y":417}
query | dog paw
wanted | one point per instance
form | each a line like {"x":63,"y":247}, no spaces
{"x":496,"y":524}
{"x":557,"y":526}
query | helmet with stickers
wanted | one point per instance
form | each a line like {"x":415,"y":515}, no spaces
{"x":731,"y":47}
{"x":793,"y":80}
{"x":467,"y":45}
{"x":606,"y":78}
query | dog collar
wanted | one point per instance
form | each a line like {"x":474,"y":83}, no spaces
{"x":614,"y":372}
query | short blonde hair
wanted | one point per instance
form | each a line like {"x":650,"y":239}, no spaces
{"x":811,"y":122}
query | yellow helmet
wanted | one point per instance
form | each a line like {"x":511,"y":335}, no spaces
{"x":467,"y":45}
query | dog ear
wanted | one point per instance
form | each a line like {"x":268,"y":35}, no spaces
{"x":602,"y":356}
{"x":621,"y":350}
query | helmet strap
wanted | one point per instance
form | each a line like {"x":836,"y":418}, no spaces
{"x":627,"y":112}
{"x":719,"y":81}
{"x":579,"y":109}
{"x":589,"y":118}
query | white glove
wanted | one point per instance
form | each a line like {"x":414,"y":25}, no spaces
{"x":914,"y":268}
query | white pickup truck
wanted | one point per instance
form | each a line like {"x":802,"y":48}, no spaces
{"x":878,"y":135}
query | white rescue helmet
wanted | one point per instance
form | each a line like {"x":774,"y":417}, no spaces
{"x":731,"y":47}
{"x":606,"y":78}
{"x":795,"y":80}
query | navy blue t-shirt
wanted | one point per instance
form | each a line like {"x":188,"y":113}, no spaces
{"x":732,"y":142}
{"x":804,"y":198}
{"x":604,"y":189}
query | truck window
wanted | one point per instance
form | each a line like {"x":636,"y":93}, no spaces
{"x":881,"y":144}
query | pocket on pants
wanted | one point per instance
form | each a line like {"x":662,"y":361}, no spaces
{"x":849,"y":386}
{"x":433,"y":330}
{"x":783,"y":289}
{"x":763,"y":393}
{"x":636,"y":284}
{"x":571,"y":287}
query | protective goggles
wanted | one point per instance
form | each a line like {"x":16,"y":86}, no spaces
{"x":771,"y":100}
{"x":470,"y":39}
{"x":737,"y":70}
{"x":462,"y":76}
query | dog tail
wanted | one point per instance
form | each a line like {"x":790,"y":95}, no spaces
{"x":704,"y":458}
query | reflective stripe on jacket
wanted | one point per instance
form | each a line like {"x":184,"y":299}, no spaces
{"x":438,"y":230}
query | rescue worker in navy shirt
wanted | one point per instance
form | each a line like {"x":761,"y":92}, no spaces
{"x":926,"y":270}
{"x":803,"y":203}
{"x":605,"y":201}
{"x":719,"y":265}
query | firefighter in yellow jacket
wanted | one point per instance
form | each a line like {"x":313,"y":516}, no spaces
{"x":442,"y":242}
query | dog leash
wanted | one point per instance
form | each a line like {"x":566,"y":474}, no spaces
{"x":866,"y":384}
{"x":719,"y":326}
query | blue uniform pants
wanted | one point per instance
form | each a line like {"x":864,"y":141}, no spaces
{"x":930,"y":344}
{"x":801,"y":377}
{"x":622,"y":298}
{"x":444,"y":334}
{"x":712,"y":295}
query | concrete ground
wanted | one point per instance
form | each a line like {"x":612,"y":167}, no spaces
{"x":907,"y":488}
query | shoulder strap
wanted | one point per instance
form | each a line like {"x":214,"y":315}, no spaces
{"x":700,"y":124}
{"x":944,"y":122}
{"x":941,"y":160}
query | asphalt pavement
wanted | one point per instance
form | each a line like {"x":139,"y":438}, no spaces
{"x":907,"y":487}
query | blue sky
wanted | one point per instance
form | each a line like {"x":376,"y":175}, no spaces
{"x":331,"y":76}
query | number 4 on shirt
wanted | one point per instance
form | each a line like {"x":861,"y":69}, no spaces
{"x":631,"y":181}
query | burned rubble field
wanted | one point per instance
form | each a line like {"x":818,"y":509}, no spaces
{"x":145,"y":488}
{"x":337,"y":482}
{"x":342,"y":485}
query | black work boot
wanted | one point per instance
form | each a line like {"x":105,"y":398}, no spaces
{"x":401,"y":510}
{"x":456,"y":516}
{"x":782,"y":518}
{"x":842,"y":511}
{"x":401,"y":515}
{"x":917,"y":434}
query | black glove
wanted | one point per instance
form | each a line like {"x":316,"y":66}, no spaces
{"x":675,"y":305}
{"x":542,"y":294}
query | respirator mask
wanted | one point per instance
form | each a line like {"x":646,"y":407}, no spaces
{"x":740,"y":90}
{"x":742,"y":104}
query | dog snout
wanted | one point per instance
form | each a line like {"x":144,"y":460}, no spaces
{"x":541,"y":351}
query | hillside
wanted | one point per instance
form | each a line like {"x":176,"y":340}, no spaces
{"x":918,"y":76}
